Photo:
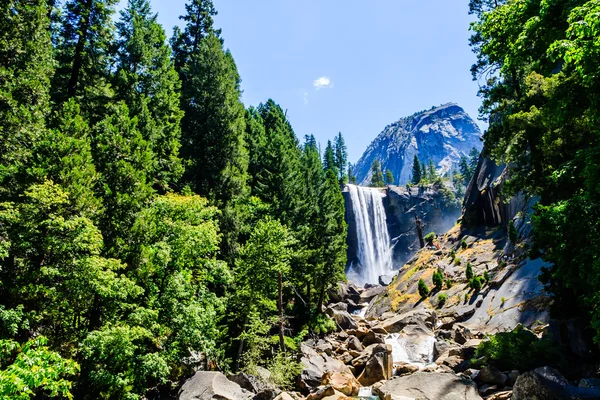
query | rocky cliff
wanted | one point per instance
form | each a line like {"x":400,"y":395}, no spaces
{"x":442,"y":134}
{"x":435,"y":205}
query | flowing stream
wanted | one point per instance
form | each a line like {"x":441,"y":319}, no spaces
{"x":374,"y":246}
{"x":411,"y":349}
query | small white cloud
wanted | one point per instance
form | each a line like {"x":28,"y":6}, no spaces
{"x":305,"y":97}
{"x":322,"y":83}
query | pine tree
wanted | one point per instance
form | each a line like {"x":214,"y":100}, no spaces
{"x":432,"y":174}
{"x":465,"y":171}
{"x":341,"y":158}
{"x":84,"y":56}
{"x":64,"y":156}
{"x":213,"y":126}
{"x":146,"y":80}
{"x":473,"y":160}
{"x":332,"y":230}
{"x":416,"y":171}
{"x":199,"y":24}
{"x":25,"y":70}
{"x":124,"y":159}
{"x":389,"y":177}
{"x":329,"y":159}
{"x":351,"y":176}
{"x":376,"y":174}
{"x":278,"y":179}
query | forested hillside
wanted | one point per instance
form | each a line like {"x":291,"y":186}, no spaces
{"x":539,"y":71}
{"x":150,"y":225}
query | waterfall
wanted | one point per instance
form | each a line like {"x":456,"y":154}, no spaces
{"x":374,"y":250}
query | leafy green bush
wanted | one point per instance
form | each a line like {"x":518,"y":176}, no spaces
{"x":463,"y":244}
{"x":452,"y":254}
{"x":448,"y":283}
{"x":429,"y":238}
{"x":284,"y":370}
{"x":31,"y":370}
{"x":469,"y":272}
{"x":321,"y":324}
{"x":442,"y":297}
{"x":486,"y":276}
{"x":476,"y":283}
{"x":423,"y":289}
{"x":518,"y":349}
{"x":438,"y":280}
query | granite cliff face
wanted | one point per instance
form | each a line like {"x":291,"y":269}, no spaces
{"x":442,"y":134}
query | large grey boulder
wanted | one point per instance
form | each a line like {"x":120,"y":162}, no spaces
{"x":379,"y":367}
{"x":206,"y":385}
{"x":315,"y":365}
{"x":423,"y":318}
{"x":429,"y":386}
{"x":548,"y":384}
{"x":342,"y":318}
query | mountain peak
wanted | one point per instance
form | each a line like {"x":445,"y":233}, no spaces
{"x":442,"y":134}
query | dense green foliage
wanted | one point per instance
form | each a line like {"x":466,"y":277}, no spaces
{"x":376,"y":174}
{"x":149,"y":224}
{"x":518,"y":349}
{"x":538,"y":64}
{"x":416,"y":171}
{"x":423,"y":289}
{"x":438,"y":279}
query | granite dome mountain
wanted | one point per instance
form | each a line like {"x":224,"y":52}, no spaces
{"x":442,"y":134}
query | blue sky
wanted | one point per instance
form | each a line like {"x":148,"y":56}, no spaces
{"x":346,"y":65}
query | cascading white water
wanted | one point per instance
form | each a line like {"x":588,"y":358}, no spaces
{"x":374,"y":250}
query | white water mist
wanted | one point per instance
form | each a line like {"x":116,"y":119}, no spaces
{"x":374,"y":250}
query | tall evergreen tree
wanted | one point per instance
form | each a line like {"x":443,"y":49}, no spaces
{"x":341,"y":158}
{"x":213,"y":125}
{"x":376,"y":174}
{"x":432,"y":174}
{"x":351,"y":176}
{"x":329,"y":159}
{"x":278,"y":180}
{"x":124,"y":160}
{"x":416,"y":171}
{"x":198,"y":25}
{"x":146,"y":80}
{"x":465,"y":170}
{"x":332,"y":230}
{"x":473,"y":160}
{"x":84,"y":56}
{"x":389,"y":177}
{"x":25,"y":69}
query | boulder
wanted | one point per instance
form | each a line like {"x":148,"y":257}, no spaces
{"x":423,"y":318}
{"x":314,"y":366}
{"x":342,"y":318}
{"x":339,"y":293}
{"x":338,"y":306}
{"x":207,"y":385}
{"x":548,"y":384}
{"x":354,"y":344}
{"x":324,"y":347}
{"x":378,"y":368}
{"x":249,"y":382}
{"x":486,"y":389}
{"x":344,"y":382}
{"x":511,"y":377}
{"x":321,"y":392}
{"x":461,"y":334}
{"x":405,"y":369}
{"x":359,"y":332}
{"x":429,"y":385}
{"x":372,"y":338}
{"x":367,"y":295}
{"x":492,"y":376}
{"x":385,"y":280}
